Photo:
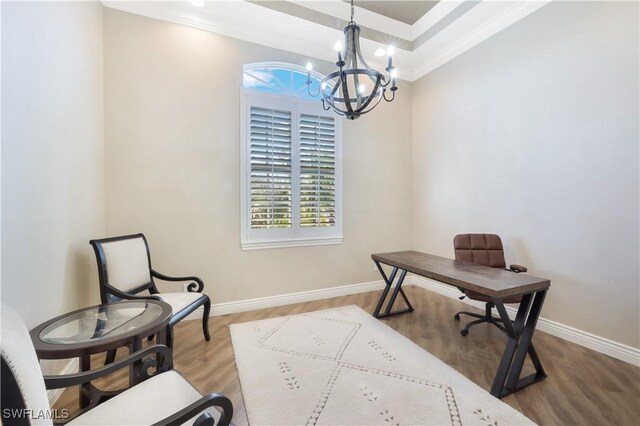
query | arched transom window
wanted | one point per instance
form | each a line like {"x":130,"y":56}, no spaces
{"x":279,"y":78}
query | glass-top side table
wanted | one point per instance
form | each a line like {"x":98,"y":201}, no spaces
{"x":101,"y":322}
{"x":98,"y":329}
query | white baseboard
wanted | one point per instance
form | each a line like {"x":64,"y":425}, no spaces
{"x":226,"y":308}
{"x":588,"y":340}
{"x":571,"y":334}
{"x":72,"y":367}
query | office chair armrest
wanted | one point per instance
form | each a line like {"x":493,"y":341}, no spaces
{"x":196,"y":286}
{"x":210,"y":400}
{"x":518,"y":268}
{"x":67,"y":380}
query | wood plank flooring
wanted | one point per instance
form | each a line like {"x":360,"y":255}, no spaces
{"x":583,"y":388}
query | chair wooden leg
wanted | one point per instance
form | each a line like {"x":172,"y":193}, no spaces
{"x":111,"y":356}
{"x":169,"y":337}
{"x":205,"y":320}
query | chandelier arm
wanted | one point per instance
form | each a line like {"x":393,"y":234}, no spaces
{"x":324,"y":107}
{"x":309,"y":90}
{"x":393,"y":95}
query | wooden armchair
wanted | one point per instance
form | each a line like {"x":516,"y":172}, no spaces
{"x":164,"y":397}
{"x":124,"y":268}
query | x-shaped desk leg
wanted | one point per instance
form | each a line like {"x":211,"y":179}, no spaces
{"x":397,"y":290}
{"x":519,"y":345}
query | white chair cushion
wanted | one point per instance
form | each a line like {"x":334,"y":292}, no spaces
{"x":17,"y":350}
{"x":146,"y":403}
{"x":179,"y":301}
{"x":127,"y":263}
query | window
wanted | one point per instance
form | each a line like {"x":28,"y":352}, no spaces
{"x":279,"y":79}
{"x":291,"y":182}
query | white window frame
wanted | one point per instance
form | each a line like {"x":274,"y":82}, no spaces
{"x":296,"y":236}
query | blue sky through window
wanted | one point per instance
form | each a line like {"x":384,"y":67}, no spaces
{"x":279,"y":80}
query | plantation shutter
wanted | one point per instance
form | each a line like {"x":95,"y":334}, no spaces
{"x":271,"y":175}
{"x":317,"y":171}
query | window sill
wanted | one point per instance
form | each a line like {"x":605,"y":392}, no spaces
{"x":300,"y":242}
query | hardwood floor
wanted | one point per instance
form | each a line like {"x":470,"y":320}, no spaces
{"x":583,"y":388}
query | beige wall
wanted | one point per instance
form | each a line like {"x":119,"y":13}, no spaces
{"x":52,"y":155}
{"x":172,"y":133}
{"x":534,"y":135}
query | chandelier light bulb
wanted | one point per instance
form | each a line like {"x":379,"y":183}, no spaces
{"x":394,"y":73}
{"x":354,"y":88}
{"x":309,"y":66}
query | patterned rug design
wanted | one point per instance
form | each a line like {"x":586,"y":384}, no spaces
{"x":343,"y":367}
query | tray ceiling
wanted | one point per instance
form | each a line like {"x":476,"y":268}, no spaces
{"x":404,"y":11}
{"x":426,"y":34}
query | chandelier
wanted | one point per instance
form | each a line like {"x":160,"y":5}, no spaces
{"x":355,"y":88}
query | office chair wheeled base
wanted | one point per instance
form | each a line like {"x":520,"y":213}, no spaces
{"x":487,"y":317}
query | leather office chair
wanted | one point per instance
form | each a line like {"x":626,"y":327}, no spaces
{"x":486,"y":250}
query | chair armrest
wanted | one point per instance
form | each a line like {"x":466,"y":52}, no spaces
{"x":518,"y":268}
{"x":197,"y":286}
{"x":66,"y":380}
{"x":126,"y":296}
{"x":210,"y":400}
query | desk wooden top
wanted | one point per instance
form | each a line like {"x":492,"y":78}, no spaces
{"x":492,"y":282}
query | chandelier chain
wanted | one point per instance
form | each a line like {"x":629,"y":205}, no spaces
{"x":352,"y":11}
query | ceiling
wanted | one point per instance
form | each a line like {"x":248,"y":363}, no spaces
{"x":426,"y":34}
{"x":404,"y":11}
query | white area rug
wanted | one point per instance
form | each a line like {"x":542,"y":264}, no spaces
{"x":344,"y":367}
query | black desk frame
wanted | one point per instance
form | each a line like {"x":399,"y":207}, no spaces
{"x":520,"y":333}
{"x":519,"y":345}
{"x":388,"y":281}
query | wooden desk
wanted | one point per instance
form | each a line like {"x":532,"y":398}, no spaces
{"x":495,"y":283}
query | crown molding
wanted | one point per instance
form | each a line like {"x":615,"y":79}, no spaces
{"x":256,"y":24}
{"x":476,"y":35}
{"x":435,"y":15}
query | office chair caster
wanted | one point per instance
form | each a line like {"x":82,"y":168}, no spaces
{"x":456,"y":317}
{"x":464,"y":332}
